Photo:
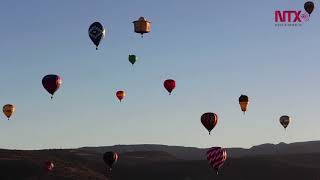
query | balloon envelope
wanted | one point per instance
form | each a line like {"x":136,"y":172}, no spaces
{"x":216,"y":157}
{"x":209,"y":120}
{"x":142,"y":26}
{"x":51,"y":83}
{"x":110,"y":158}
{"x":284,"y":121}
{"x":309,"y":6}
{"x":133,"y":59}
{"x":96,"y":33}
{"x":169,"y":84}
{"x":48,"y":166}
{"x":8,"y":110}
{"x":244,"y":102}
{"x":120,"y":95}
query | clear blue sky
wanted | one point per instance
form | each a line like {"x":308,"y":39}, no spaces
{"x":215,"y":50}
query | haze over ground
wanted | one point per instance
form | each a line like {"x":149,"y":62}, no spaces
{"x":215,"y":51}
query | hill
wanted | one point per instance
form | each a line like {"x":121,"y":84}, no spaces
{"x":192,"y":153}
{"x":294,"y":161}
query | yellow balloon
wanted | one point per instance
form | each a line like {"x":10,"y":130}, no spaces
{"x":8,"y":110}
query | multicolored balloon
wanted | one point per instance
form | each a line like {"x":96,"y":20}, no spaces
{"x":309,"y":6}
{"x":51,"y":83}
{"x":284,"y":121}
{"x":120,"y":95}
{"x":8,"y":110}
{"x":110,"y":158}
{"x":169,"y":84}
{"x":96,"y":33}
{"x":48,"y":166}
{"x":209,"y":120}
{"x":244,"y":102}
{"x":133,"y":59}
{"x":216,"y":157}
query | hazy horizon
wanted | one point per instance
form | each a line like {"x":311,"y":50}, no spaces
{"x":213,"y":50}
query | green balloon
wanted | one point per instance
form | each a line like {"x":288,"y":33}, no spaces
{"x":133,"y":59}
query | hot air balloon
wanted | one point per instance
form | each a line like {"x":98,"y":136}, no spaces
{"x":169,"y":84}
{"x":96,"y":33}
{"x":120,"y":95}
{"x":48,"y":166}
{"x":142,"y":26}
{"x":216,"y":157}
{"x":133,"y":59}
{"x":51,"y":83}
{"x":309,"y":6}
{"x":244,"y":102}
{"x":209,"y":120}
{"x":110,"y":158}
{"x":8,"y":110}
{"x":284,"y":121}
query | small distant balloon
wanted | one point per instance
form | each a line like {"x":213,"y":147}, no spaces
{"x":142,"y":26}
{"x":96,"y":33}
{"x":169,"y":84}
{"x":133,"y":59}
{"x":309,"y":7}
{"x":48,"y":166}
{"x":244,"y":102}
{"x":284,"y":121}
{"x":216,"y":157}
{"x":209,"y":120}
{"x":120,"y":95}
{"x":110,"y":158}
{"x":8,"y":110}
{"x":51,"y":83}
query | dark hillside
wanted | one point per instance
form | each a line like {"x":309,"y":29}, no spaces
{"x":265,"y":162}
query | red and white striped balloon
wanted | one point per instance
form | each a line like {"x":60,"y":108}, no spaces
{"x":216,"y":157}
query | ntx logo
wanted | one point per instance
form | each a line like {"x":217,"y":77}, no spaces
{"x":293,"y":17}
{"x":289,"y":16}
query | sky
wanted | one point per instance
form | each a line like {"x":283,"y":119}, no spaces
{"x":215,"y":50}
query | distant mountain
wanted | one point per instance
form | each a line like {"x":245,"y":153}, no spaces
{"x":283,"y":148}
{"x":294,"y":161}
{"x":155,"y":165}
{"x":186,"y":153}
{"x":192,"y":153}
{"x":150,"y":156}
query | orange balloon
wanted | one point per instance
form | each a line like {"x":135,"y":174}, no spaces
{"x":142,"y":26}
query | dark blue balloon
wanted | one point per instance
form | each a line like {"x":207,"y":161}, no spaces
{"x":96,"y":33}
